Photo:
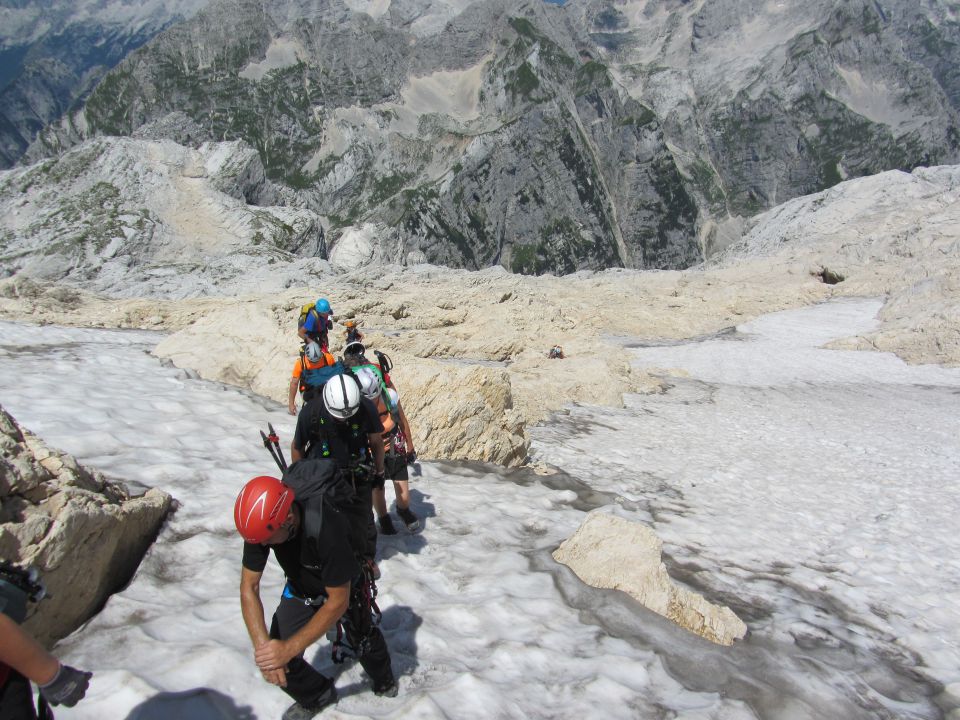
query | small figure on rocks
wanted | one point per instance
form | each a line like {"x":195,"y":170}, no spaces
{"x":314,"y":323}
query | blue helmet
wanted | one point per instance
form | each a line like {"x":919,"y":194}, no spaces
{"x":323,"y":305}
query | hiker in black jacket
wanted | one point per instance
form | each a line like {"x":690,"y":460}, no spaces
{"x":344,"y":426}
{"x":324,"y":584}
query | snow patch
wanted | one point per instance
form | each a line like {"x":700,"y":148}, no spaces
{"x":455,"y":93}
{"x":373,"y":8}
{"x":876,"y":101}
{"x":282,"y":53}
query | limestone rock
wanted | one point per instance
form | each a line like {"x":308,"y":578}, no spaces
{"x":84,"y":534}
{"x":242,"y":343}
{"x":610,"y":552}
{"x":155,"y":208}
{"x":462,"y":411}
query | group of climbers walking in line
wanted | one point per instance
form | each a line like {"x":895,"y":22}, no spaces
{"x":318,"y":518}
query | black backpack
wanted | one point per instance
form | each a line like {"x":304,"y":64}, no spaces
{"x":318,"y":483}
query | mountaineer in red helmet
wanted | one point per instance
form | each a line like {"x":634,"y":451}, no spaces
{"x":323,"y":578}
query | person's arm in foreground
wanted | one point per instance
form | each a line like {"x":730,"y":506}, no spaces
{"x":59,"y":684}
{"x":376,"y":448}
{"x":24,"y":654}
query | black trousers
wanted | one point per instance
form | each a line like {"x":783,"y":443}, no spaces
{"x":305,"y":684}
{"x":16,"y":699}
{"x":368,"y":543}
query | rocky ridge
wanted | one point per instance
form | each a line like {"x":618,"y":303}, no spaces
{"x":116,"y":208}
{"x":470,"y":347}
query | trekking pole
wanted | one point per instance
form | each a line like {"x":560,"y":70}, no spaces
{"x":268,"y":444}
{"x":275,"y":439}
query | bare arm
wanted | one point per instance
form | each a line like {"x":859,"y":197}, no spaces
{"x":24,"y":654}
{"x":376,"y":447}
{"x":275,"y":654}
{"x":252,"y":609}
{"x":292,"y":395}
{"x":295,"y":453}
{"x":405,"y":427}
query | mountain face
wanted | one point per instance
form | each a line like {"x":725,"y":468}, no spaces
{"x":542,"y":137}
{"x":124,"y":215}
{"x":53,"y":53}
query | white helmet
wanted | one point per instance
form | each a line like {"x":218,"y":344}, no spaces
{"x":341,"y":396}
{"x":313,"y":352}
{"x":369,"y":383}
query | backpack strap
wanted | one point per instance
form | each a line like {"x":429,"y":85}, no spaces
{"x":303,"y":369}
{"x":312,"y":525}
{"x":319,"y":434}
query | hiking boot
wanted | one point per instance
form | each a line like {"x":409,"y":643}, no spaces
{"x":409,"y":519}
{"x":305,"y":712}
{"x":386,"y":526}
{"x":389,"y":689}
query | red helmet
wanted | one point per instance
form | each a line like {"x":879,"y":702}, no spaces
{"x":261,"y":508}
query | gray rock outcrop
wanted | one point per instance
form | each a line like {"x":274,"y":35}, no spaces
{"x":610,"y":552}
{"x":114,"y":208}
{"x":84,"y":534}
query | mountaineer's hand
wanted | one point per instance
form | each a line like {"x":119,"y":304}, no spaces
{"x":68,"y":686}
{"x":273,"y":655}
{"x":411,"y":457}
{"x":275,"y":677}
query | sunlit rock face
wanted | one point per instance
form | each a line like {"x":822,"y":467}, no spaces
{"x":610,"y":552}
{"x":541,"y":137}
{"x":84,"y":534}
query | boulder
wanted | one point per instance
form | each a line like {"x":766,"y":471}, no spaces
{"x":85,"y":534}
{"x":242,"y":343}
{"x":461,"y":411}
{"x":610,"y":552}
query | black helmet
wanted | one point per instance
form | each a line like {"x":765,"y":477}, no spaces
{"x":354,"y":348}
